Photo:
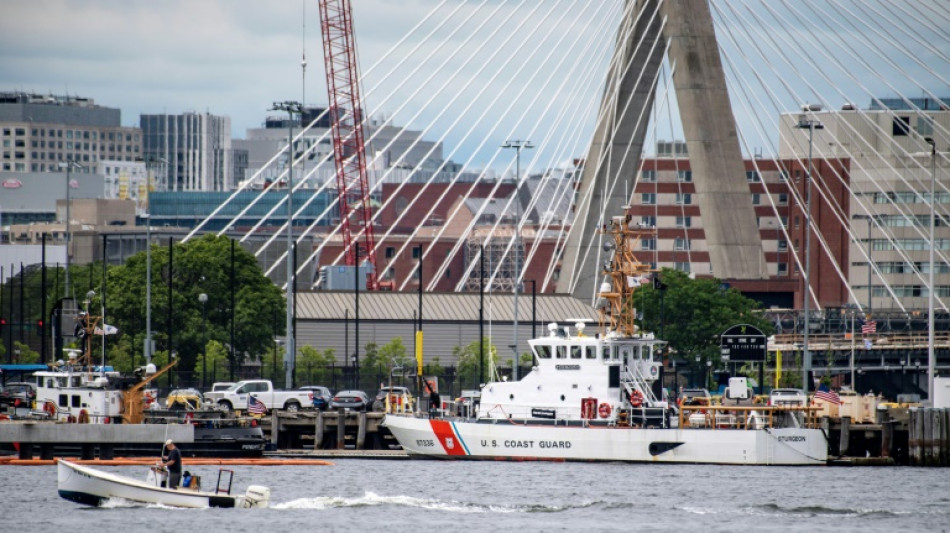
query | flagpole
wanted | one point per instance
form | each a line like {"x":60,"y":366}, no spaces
{"x":853,"y":387}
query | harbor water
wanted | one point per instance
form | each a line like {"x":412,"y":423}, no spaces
{"x":393,"y":496}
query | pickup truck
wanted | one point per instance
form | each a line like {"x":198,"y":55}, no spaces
{"x":236,"y":397}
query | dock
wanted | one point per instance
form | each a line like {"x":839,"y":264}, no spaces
{"x":327,"y":430}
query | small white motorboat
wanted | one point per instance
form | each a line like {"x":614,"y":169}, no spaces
{"x":89,"y":486}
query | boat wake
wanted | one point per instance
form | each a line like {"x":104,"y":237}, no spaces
{"x":772,"y":509}
{"x":121,"y":503}
{"x":370,"y":499}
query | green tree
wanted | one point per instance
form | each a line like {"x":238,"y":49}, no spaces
{"x":314,"y":366}
{"x":201,"y":265}
{"x":690,"y":314}
{"x":217,"y":365}
{"x":24,"y":355}
{"x":470,"y":364}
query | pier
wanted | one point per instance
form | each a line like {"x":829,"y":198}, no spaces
{"x":327,"y":430}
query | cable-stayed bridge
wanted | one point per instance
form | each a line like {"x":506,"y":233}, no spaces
{"x":682,"y":112}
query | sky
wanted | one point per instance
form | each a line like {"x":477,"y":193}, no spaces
{"x":237,"y":57}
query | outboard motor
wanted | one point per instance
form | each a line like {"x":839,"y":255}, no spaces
{"x":256,"y":496}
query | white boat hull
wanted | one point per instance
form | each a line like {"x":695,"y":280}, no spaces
{"x":88,"y":486}
{"x":457,"y":439}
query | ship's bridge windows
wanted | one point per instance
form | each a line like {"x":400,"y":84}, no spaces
{"x":576,"y":352}
{"x":562,"y":352}
{"x":544,"y":352}
{"x":590,"y":352}
{"x":49,"y":383}
{"x":625,"y":352}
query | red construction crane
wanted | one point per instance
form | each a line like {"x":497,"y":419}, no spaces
{"x":346,"y":125}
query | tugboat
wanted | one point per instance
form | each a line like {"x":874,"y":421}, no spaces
{"x":75,"y":390}
{"x":590,"y":398}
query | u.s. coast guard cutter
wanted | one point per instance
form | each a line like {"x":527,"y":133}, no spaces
{"x":590,"y":397}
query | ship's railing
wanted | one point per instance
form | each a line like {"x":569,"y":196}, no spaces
{"x":747,"y":417}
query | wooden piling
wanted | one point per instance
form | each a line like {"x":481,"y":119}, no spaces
{"x":274,"y":427}
{"x":926,"y":442}
{"x":845,"y":435}
{"x":318,"y":431}
{"x":934,"y":416}
{"x":913,"y":437}
{"x":887,"y":437}
{"x":340,"y":429}
{"x":361,"y":431}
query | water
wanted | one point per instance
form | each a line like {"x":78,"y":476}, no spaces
{"x":437,"y":496}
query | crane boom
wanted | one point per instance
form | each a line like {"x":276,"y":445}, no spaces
{"x":346,"y":126}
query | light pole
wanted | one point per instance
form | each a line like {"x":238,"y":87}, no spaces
{"x":68,"y":165}
{"x":708,"y":371}
{"x":290,"y":107}
{"x":148,"y":259}
{"x":811,"y":125}
{"x":518,"y":145}
{"x":203,"y":298}
{"x":931,"y":358}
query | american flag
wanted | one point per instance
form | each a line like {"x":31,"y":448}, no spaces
{"x":829,"y":396}
{"x":869,"y":326}
{"x":256,"y":407}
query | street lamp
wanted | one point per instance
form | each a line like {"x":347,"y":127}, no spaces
{"x":931,"y":358}
{"x":290,"y":107}
{"x":518,"y":147}
{"x":811,"y":125}
{"x":203,"y":298}
{"x":708,"y":371}
{"x":698,"y":368}
{"x":149,"y":164}
{"x":68,"y":165}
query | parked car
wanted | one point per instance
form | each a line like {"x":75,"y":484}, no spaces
{"x":238,"y":396}
{"x":18,"y":393}
{"x":350,"y":399}
{"x":321,"y":396}
{"x":788,"y":398}
{"x":184,"y":399}
{"x":399,"y":398}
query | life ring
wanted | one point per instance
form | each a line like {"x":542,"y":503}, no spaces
{"x":636,"y":399}
{"x":50,"y":408}
{"x":603,"y":410}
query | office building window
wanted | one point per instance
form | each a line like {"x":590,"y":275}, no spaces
{"x":684,"y":221}
{"x":684,"y":175}
{"x":684,"y":198}
{"x":649,"y":175}
{"x":648,"y":198}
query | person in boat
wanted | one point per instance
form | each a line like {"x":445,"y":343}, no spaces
{"x":173,"y":463}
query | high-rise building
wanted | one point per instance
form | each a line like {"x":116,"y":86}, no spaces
{"x":889,"y":207}
{"x":194,"y":148}
{"x":38,"y":132}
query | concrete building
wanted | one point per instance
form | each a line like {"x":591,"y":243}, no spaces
{"x":889,"y":212}
{"x":38,"y":132}
{"x":195,"y":150}
{"x":393,"y":152}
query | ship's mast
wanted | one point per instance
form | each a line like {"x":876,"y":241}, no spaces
{"x":623,"y":274}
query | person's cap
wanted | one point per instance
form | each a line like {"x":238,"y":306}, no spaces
{"x":169,"y":442}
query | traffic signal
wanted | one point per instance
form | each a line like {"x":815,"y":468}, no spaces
{"x":39,"y":326}
{"x":3,"y":324}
